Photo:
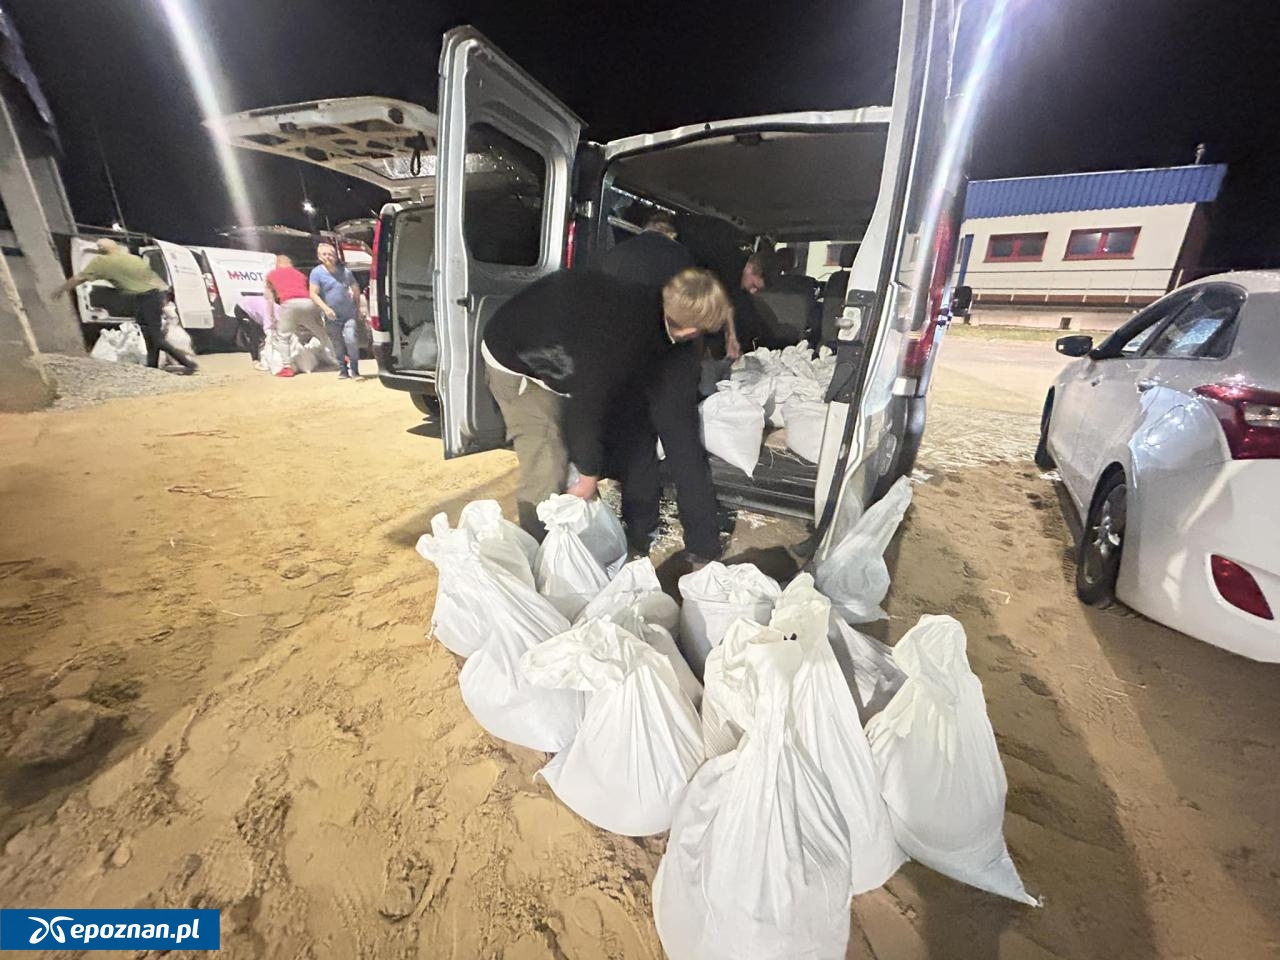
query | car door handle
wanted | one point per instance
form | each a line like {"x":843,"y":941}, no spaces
{"x":1144,"y":385}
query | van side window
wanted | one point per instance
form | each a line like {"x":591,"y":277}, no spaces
{"x":504,"y":182}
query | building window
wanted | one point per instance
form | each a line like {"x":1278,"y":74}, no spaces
{"x":1016,"y":246}
{"x":1116,"y":243}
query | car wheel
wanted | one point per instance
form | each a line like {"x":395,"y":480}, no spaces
{"x":427,"y":406}
{"x":1101,"y":544}
{"x":1044,"y":459}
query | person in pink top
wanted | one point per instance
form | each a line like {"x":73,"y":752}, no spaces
{"x":290,"y":309}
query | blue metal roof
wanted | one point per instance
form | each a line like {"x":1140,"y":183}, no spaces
{"x":1107,"y":190}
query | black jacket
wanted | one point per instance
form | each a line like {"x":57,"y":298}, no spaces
{"x":584,"y":334}
{"x":650,"y":258}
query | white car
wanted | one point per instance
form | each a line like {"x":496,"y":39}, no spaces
{"x":1167,"y":438}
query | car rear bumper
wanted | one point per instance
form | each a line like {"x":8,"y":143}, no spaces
{"x":1180,"y":522}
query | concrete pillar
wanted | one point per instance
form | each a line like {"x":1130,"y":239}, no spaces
{"x":35,"y":204}
{"x":24,"y":383}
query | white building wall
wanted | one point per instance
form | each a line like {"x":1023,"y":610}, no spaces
{"x":1144,"y":276}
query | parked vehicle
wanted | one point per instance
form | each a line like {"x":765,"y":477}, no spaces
{"x":1167,"y":438}
{"x":207,"y":284}
{"x":499,"y":191}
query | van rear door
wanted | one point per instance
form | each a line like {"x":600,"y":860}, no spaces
{"x":386,"y":142}
{"x":186,"y":280}
{"x":502,"y":194}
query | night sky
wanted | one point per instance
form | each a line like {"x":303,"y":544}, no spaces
{"x":1083,"y":85}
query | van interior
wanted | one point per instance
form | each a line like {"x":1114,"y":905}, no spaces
{"x":730,"y":194}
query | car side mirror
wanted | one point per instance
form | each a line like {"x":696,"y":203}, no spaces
{"x":1078,"y":345}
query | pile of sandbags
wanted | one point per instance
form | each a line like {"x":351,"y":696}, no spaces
{"x":302,"y":357}
{"x":811,"y":765}
{"x":780,"y":388}
{"x":124,"y":345}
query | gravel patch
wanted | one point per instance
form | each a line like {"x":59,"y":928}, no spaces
{"x":85,"y":382}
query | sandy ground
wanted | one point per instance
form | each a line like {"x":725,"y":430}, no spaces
{"x":229,"y":572}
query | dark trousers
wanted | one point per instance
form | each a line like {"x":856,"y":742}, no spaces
{"x":662,"y":403}
{"x":148,"y":312}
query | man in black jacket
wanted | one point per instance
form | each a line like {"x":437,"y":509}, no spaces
{"x":567,"y":352}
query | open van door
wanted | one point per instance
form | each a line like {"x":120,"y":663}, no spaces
{"x":385,"y":142}
{"x":502,"y":200}
{"x":186,"y":280}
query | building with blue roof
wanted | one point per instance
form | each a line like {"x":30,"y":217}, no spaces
{"x":1091,"y":246}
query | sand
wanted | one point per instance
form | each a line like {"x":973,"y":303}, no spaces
{"x":231,"y":570}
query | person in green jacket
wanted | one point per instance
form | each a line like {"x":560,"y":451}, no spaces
{"x":131,"y":275}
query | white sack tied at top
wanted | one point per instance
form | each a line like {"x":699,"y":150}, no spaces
{"x":758,"y":861}
{"x":639,"y":741}
{"x":940,"y":769}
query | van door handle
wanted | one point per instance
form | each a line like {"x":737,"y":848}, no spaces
{"x":469,"y":301}
{"x":1095,"y":381}
{"x":1144,"y":385}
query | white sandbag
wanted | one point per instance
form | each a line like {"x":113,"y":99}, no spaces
{"x":757,"y":864}
{"x":104,"y":348}
{"x":422,"y":348}
{"x":940,"y":770}
{"x":479,"y":588}
{"x":635,"y":587}
{"x":853,"y":574}
{"x":714,"y":597}
{"x":177,"y":335}
{"x":727,"y":701}
{"x":806,"y":422}
{"x":733,"y":428}
{"x":634,"y":600}
{"x":485,"y":521}
{"x":639,"y":741}
{"x":124,"y":345}
{"x":828,"y":728}
{"x":310,"y":356}
{"x":868,"y":666}
{"x":565,"y":571}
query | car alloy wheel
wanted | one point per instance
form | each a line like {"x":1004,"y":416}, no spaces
{"x":1098,"y":556}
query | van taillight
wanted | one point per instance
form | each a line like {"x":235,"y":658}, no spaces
{"x":1237,"y":586}
{"x":1250,"y":419}
{"x":211,"y":288}
{"x":375,"y":281}
{"x":570,"y":243}
{"x":916,"y":360}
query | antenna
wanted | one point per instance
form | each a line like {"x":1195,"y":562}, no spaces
{"x":111,"y":181}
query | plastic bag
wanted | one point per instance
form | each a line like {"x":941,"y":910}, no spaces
{"x":733,"y":428}
{"x":757,"y":864}
{"x":639,"y":741}
{"x":479,"y":582}
{"x":868,"y":666}
{"x":422,"y":348}
{"x":853,"y":574}
{"x":714,"y":597}
{"x":565,"y":570}
{"x":940,"y":770}
{"x":827,"y":726}
{"x":806,"y":422}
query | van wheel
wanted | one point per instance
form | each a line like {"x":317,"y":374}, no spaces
{"x":427,"y":406}
{"x":1044,"y":459}
{"x":1101,"y":544}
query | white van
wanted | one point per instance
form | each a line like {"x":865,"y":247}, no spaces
{"x":500,"y":191}
{"x":207,"y":283}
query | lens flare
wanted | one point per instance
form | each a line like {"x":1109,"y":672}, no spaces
{"x":182,"y":26}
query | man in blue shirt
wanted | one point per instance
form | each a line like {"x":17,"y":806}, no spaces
{"x":335,"y":291}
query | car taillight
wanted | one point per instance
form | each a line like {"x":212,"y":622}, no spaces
{"x":1238,"y":588}
{"x":570,"y":243}
{"x":375,"y":281}
{"x":1250,"y":419}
